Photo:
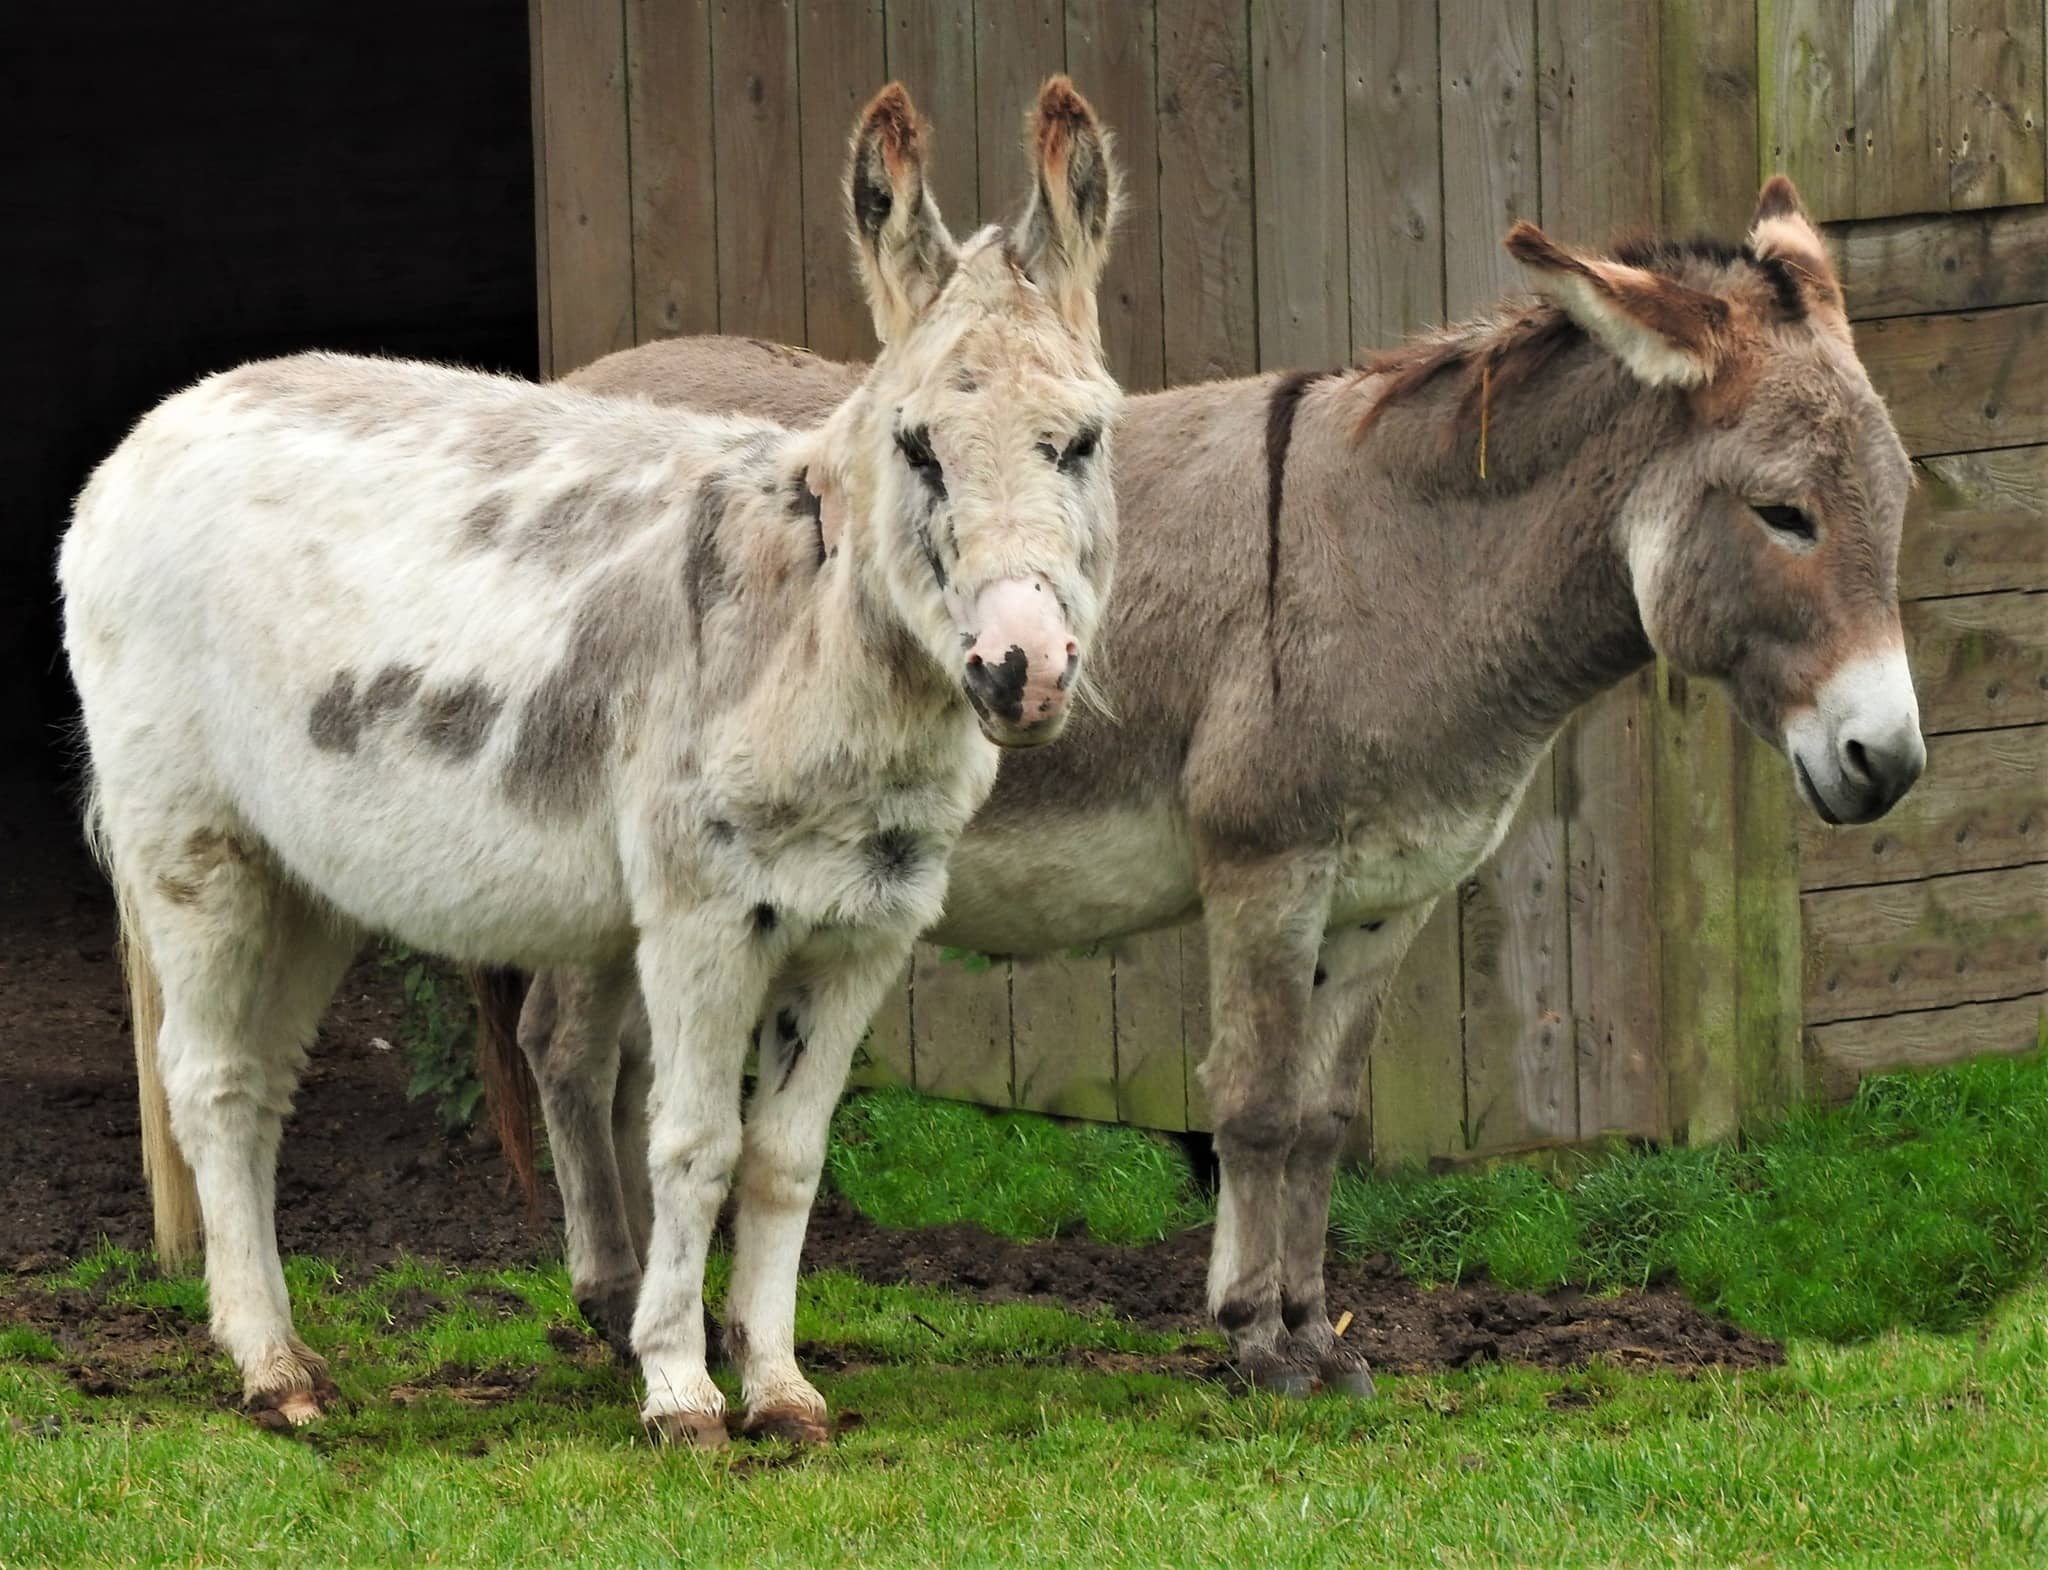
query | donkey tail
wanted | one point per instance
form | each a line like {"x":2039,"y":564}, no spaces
{"x":509,"y":1091}
{"x":174,"y":1195}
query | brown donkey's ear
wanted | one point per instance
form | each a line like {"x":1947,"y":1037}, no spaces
{"x":1668,"y":333}
{"x":1781,"y":231}
{"x":906,"y":253}
{"x":1076,"y":193}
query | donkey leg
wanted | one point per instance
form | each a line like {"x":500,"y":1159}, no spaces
{"x":807,"y":1044}
{"x":1265,"y":921}
{"x":247,"y":967}
{"x":629,"y":1124}
{"x":569,"y":1031}
{"x":704,"y":978}
{"x":1354,"y":970}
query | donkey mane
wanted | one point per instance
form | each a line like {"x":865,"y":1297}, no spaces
{"x":1495,"y":355}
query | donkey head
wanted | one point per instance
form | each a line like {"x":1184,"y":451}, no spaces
{"x":1763,"y":542}
{"x":978,"y":445}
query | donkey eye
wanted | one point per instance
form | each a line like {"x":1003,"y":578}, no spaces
{"x":1080,"y":449}
{"x":1051,"y":453}
{"x":1789,"y":521}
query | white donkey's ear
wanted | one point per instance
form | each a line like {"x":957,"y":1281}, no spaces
{"x":1667,"y":333}
{"x":906,"y":254}
{"x":1076,"y":194}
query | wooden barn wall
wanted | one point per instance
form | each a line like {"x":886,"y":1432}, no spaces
{"x":1313,"y":178}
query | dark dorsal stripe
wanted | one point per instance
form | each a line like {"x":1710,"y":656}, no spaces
{"x":1281,"y":408}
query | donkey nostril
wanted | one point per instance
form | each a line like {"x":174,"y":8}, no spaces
{"x":1073,"y":648}
{"x":1859,"y":760}
{"x":973,"y":661}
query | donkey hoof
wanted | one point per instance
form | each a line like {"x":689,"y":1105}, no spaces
{"x":1349,"y":1379}
{"x":1274,"y":1377}
{"x":691,"y":1430}
{"x":610,"y":1314}
{"x":794,"y":1424}
{"x":284,"y":1410}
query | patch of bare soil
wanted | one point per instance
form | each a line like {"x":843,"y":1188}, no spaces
{"x":366,"y":1175}
{"x":1400,"y":1326}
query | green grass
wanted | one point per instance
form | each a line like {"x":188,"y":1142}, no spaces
{"x":910,"y":1162}
{"x":981,"y":1443}
{"x":1916,"y":1205}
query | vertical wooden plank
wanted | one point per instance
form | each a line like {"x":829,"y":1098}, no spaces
{"x":1394,"y":158}
{"x":1806,"y":50}
{"x":1017,"y":45}
{"x":759,"y":172}
{"x":1521,"y":1075}
{"x":536,"y":79}
{"x":931,"y":52}
{"x":1901,"y":77}
{"x":839,"y":66}
{"x":1708,"y":128}
{"x":672,"y":144}
{"x":1417,"y":1074}
{"x":1996,"y":113}
{"x":1063,"y":1035}
{"x":1151,"y":1063}
{"x":1298,"y":181}
{"x":1770,"y":1000}
{"x":885,"y":1057}
{"x":1695,"y":894}
{"x":1112,"y":56}
{"x":1599,"y":175}
{"x":1205,"y":193}
{"x":589,"y":241}
{"x":1734,"y":864}
{"x":960,"y":1027}
{"x":1488,"y":65}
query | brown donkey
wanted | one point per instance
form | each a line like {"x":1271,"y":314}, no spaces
{"x":1340,"y":645}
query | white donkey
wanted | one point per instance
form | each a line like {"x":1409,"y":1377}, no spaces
{"x":524,"y":675}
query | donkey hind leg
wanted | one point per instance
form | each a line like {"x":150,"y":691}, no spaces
{"x":704,"y":976}
{"x":807,"y":1043}
{"x":247,"y":964}
{"x":1353,"y":972}
{"x":629,"y":1124}
{"x":1265,"y":923}
{"x":569,"y":1032}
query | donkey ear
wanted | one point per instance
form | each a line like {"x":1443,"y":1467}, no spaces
{"x":1668,"y":333}
{"x":906,"y":253}
{"x":1781,"y":230}
{"x":1076,"y":193}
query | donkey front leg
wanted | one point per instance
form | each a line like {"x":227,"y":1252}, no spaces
{"x":569,"y":1032}
{"x":1353,"y":972}
{"x":1265,"y":921}
{"x":806,"y":1045}
{"x":703,"y":978}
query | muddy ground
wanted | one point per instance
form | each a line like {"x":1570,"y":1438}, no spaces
{"x":367,"y":1175}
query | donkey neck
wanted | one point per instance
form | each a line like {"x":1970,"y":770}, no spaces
{"x":1530,"y":585}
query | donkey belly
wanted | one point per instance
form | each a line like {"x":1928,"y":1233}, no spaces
{"x":1066,"y":881}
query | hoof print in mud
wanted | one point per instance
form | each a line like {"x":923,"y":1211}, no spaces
{"x":688,"y":1430}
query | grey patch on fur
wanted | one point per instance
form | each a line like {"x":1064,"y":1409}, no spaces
{"x":454,"y":721}
{"x":621,"y":624}
{"x":500,"y":447}
{"x":483,"y":522}
{"x":893,"y":854}
{"x":334,"y":724}
{"x":390,"y":690}
{"x":704,"y":565}
{"x":562,"y":524}
{"x":765,"y":919}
